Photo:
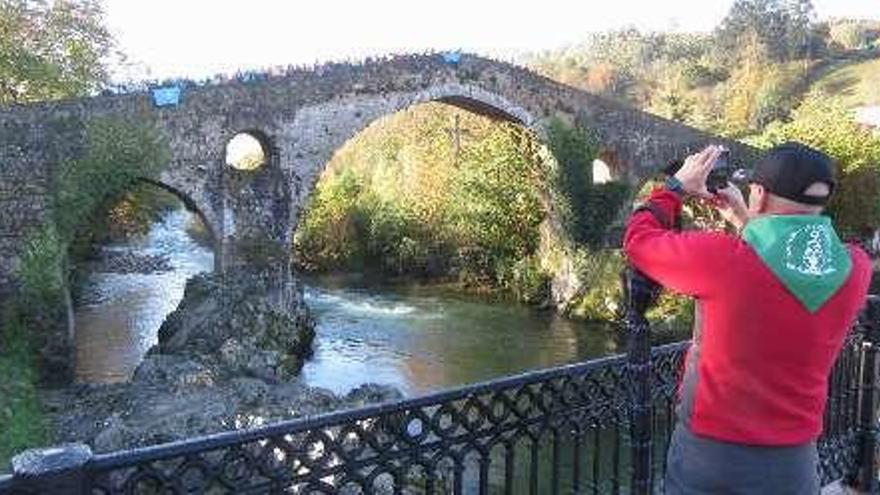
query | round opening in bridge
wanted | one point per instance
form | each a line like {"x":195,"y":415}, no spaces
{"x":245,"y":152}
{"x":601,"y":172}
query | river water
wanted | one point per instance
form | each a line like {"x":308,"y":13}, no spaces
{"x":416,"y":338}
{"x":117,"y":316}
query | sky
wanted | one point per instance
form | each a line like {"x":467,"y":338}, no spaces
{"x":198,"y":38}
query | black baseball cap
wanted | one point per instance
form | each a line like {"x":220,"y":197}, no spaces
{"x":788,"y":169}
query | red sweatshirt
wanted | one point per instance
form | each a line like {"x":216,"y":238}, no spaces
{"x":760,"y":361}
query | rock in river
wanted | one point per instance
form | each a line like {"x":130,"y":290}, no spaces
{"x":230,"y":323}
{"x":227,"y":358}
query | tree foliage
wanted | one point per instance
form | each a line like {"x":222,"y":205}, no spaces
{"x":429,"y":191}
{"x":821,"y":121}
{"x":854,"y":34}
{"x":753,"y":69}
{"x":52,"y":49}
{"x":783,"y":27}
{"x":616,"y":63}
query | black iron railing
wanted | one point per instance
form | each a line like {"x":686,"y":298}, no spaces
{"x":570,"y":429}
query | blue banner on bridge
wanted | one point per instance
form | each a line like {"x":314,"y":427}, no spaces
{"x":167,"y":96}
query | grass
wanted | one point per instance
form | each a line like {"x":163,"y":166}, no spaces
{"x":22,"y":424}
{"x":858,"y":84}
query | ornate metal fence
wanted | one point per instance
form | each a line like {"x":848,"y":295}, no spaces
{"x":562,"y":430}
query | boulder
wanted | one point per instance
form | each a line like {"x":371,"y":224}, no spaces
{"x":234,"y":323}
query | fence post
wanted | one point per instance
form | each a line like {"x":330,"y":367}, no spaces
{"x":870,"y":371}
{"x":640,"y":293}
{"x":57,"y":470}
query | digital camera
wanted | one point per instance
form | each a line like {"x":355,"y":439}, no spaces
{"x":719,"y":176}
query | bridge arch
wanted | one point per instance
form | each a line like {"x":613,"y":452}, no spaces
{"x":471,"y":100}
{"x":103,"y":346}
{"x":191,"y":205}
{"x":348,"y":119}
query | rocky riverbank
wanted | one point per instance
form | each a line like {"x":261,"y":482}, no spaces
{"x":174,"y":398}
{"x":125,"y":262}
{"x":228,"y":357}
{"x":113,"y":262}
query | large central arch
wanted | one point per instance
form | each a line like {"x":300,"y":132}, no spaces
{"x":351,"y":117}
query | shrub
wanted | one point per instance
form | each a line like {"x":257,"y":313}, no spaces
{"x":117,"y":154}
{"x":22,"y":424}
{"x":599,"y":272}
{"x":698,"y":74}
{"x":526,"y":280}
{"x":822,"y":122}
{"x":585,"y":210}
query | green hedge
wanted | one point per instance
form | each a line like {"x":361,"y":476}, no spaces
{"x":118,"y":154}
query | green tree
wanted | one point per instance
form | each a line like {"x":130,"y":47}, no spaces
{"x":51,"y":50}
{"x":826,"y":124}
{"x":784,"y":27}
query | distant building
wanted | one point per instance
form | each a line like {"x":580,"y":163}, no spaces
{"x":869,"y":116}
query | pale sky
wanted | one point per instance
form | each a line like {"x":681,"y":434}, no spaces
{"x":196,"y":38}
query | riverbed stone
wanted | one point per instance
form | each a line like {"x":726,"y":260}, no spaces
{"x":251,"y":391}
{"x":370,"y":393}
{"x":114,"y":433}
{"x":129,"y":262}
{"x":229,"y":322}
{"x":139,"y":413}
{"x":173,"y":371}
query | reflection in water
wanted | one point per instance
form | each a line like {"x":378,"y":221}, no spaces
{"x":120,"y":315}
{"x":421,"y":339}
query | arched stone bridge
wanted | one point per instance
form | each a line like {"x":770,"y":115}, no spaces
{"x":301,"y":118}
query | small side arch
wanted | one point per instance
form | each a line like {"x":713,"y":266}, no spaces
{"x":192,"y":206}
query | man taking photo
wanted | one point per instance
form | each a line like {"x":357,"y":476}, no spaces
{"x":774,"y":306}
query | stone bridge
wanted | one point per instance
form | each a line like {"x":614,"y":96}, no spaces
{"x":300,"y":119}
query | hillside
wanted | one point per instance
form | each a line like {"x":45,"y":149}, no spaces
{"x":753,"y":69}
{"x":857,"y":84}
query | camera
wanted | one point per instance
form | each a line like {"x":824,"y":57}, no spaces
{"x":719,"y":176}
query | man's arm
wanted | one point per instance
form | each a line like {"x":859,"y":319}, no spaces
{"x":685,"y":262}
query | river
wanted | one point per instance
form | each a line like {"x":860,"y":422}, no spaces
{"x":416,"y":338}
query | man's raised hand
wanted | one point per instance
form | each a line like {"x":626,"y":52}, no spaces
{"x":695,"y":170}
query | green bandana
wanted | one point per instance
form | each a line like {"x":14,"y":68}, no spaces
{"x":804,"y":253}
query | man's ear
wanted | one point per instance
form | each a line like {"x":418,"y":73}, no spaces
{"x":757,"y":198}
{"x":765,"y":199}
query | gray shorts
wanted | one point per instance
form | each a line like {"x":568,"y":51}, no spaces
{"x":697,"y":465}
